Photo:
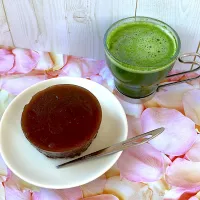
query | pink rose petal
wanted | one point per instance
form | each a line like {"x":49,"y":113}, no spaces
{"x":131,"y":109}
{"x":102,"y":197}
{"x":5,"y":99}
{"x":180,"y":193}
{"x":97,"y":79}
{"x":14,"y":181}
{"x":3,"y":170}
{"x":194,"y":153}
{"x":16,"y":84}
{"x":179,"y":134}
{"x":25,"y":61}
{"x":113,"y":171}
{"x":91,"y":67}
{"x":158,"y":189}
{"x":183,"y":173}
{"x":68,"y":194}
{"x":171,"y":96}
{"x":125,"y":189}
{"x":142,"y":163}
{"x":59,"y":60}
{"x":191,"y":103}
{"x":108,"y":80}
{"x":44,"y":62}
{"x":95,"y":187}
{"x":6,"y":61}
{"x":134,"y":126}
{"x":72,"y":68}
{"x":14,"y":190}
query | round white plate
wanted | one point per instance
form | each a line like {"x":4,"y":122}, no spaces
{"x":32,"y":166}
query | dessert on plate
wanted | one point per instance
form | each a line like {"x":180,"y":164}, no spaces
{"x":62,"y":120}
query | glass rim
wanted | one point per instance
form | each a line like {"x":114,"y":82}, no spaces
{"x":171,"y":60}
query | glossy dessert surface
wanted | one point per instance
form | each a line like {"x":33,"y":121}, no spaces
{"x":62,"y":120}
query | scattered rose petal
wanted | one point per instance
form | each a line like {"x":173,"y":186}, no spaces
{"x":13,"y":193}
{"x":68,"y":194}
{"x":14,"y":181}
{"x":113,"y":171}
{"x":97,"y":79}
{"x":5,"y":99}
{"x":191,"y":103}
{"x":3,"y":170}
{"x":6,"y":61}
{"x":134,"y":126}
{"x":127,"y":190}
{"x":180,"y":193}
{"x":59,"y":60}
{"x":25,"y":61}
{"x":171,"y":96}
{"x":95,"y":187}
{"x":158,"y":189}
{"x":71,"y":69}
{"x":108,"y":79}
{"x":130,"y":108}
{"x":16,"y":84}
{"x":102,"y":197}
{"x":2,"y":192}
{"x":141,"y":163}
{"x":194,"y":153}
{"x":45,"y":62}
{"x":90,"y":67}
{"x":183,"y":173}
{"x":179,"y":134}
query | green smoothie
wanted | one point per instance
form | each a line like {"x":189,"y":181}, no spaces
{"x":140,"y":52}
{"x":142,"y":46}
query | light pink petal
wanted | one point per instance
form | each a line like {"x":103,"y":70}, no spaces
{"x":95,"y":187}
{"x":44,"y":62}
{"x":171,"y":96}
{"x":72,"y":68}
{"x":177,"y":193}
{"x":191,"y":103}
{"x":142,"y":163}
{"x":102,"y":197}
{"x":113,"y":171}
{"x":6,"y":61}
{"x":67,"y":194}
{"x":108,"y":80}
{"x":15,"y":182}
{"x":13,"y":193}
{"x":16,"y":84}
{"x":3,"y":170}
{"x":2,"y":192}
{"x":5,"y":99}
{"x":131,"y":109}
{"x":59,"y":60}
{"x":97,"y":79}
{"x":134,"y":126}
{"x":179,"y":134}
{"x":158,"y":189}
{"x":125,"y":189}
{"x":183,"y":173}
{"x":194,"y":153}
{"x":25,"y":61}
{"x":90,"y":67}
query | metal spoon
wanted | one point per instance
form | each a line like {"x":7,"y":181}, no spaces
{"x":140,"y":139}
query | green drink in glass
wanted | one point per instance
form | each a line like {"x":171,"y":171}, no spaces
{"x":140,"y":52}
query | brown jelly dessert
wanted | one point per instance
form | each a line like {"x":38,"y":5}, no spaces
{"x":62,"y":120}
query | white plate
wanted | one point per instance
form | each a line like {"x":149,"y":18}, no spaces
{"x":32,"y":166}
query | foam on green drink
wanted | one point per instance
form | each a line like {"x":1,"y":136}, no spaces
{"x":141,"y":46}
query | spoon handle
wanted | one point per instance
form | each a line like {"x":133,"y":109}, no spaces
{"x":140,"y":139}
